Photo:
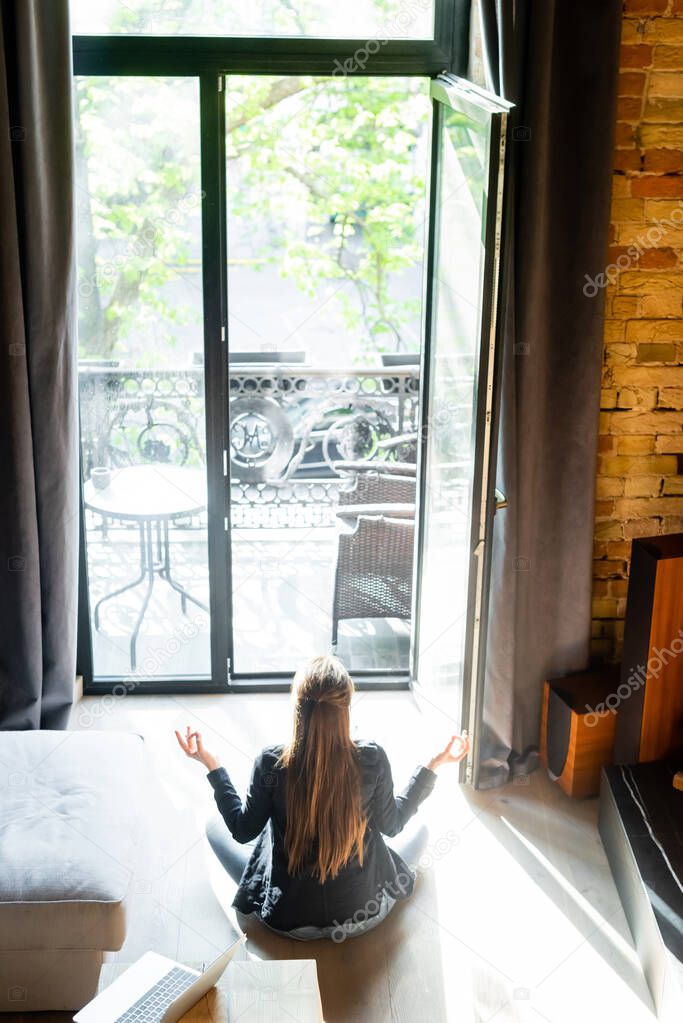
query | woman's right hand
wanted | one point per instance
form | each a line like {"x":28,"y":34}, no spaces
{"x":456,"y":750}
{"x":193,"y":747}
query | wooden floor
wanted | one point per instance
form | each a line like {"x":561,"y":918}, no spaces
{"x":285,"y":577}
{"x":515,"y":916}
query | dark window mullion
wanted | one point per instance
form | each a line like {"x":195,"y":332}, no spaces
{"x":169,"y":55}
{"x":212,"y":127}
{"x":425,"y":381}
{"x":84,"y":652}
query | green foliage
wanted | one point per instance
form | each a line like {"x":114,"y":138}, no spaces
{"x":137,"y":191}
{"x":348,"y":155}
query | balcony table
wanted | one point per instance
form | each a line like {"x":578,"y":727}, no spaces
{"x":152,"y":496}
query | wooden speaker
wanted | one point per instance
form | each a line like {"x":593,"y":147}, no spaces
{"x":650,"y":719}
{"x":577,"y":729}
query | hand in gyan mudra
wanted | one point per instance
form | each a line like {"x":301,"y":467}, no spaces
{"x":453,"y":752}
{"x":193,"y":747}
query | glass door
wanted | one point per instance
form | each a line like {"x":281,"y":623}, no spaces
{"x":326,"y":224}
{"x":285,"y":450}
{"x":141,"y":379}
{"x":459,"y":404}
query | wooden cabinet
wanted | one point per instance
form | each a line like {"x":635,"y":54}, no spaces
{"x":650,"y":718}
{"x":577,"y":729}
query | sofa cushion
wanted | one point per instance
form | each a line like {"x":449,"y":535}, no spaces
{"x":68,"y":819}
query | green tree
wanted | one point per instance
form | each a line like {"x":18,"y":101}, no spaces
{"x":350,"y":152}
{"x":347,"y":150}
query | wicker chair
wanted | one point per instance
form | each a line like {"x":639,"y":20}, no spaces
{"x":374,"y":574}
{"x":379,"y":488}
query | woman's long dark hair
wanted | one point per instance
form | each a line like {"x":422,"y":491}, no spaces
{"x":325,"y":819}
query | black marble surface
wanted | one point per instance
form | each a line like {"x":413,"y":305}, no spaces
{"x":652,"y":814}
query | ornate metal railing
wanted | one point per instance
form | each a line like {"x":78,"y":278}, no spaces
{"x":289,"y":427}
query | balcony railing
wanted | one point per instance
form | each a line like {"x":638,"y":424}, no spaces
{"x":289,"y":427}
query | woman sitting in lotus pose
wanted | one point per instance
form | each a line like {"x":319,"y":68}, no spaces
{"x":318,"y":808}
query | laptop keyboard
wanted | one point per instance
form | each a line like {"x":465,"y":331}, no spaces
{"x":154,"y":1003}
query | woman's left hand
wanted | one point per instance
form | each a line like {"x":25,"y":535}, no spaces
{"x":193,"y":747}
{"x":456,"y":750}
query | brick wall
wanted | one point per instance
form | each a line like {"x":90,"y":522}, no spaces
{"x":640,"y":461}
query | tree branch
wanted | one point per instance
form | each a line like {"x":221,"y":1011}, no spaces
{"x":279,"y":90}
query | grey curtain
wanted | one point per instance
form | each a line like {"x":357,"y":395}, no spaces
{"x":38,"y":424}
{"x":557,"y":60}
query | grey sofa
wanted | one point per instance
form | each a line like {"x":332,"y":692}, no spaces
{"x":68,"y":821}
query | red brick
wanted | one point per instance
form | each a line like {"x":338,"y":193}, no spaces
{"x":604,"y":509}
{"x":636,"y":56}
{"x":668,"y":185}
{"x":658,"y":259}
{"x":627,"y":160}
{"x":647,"y":187}
{"x":645,"y":6}
{"x":609,"y":569}
{"x":629,"y":108}
{"x":614,"y":251}
{"x":633,"y":32}
{"x":631,"y":83}
{"x":632,"y":7}
{"x":625,"y":134}
{"x":663,"y":161}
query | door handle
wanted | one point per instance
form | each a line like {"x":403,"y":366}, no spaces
{"x":501,"y":499}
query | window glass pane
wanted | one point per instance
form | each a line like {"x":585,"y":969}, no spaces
{"x":450,"y":457}
{"x":374,"y":20}
{"x":326,"y":215}
{"x":326,"y":182}
{"x":141,"y":379}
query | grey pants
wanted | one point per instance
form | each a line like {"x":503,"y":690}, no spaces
{"x":234,"y":857}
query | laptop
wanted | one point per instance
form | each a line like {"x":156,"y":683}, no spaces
{"x":155,"y":990}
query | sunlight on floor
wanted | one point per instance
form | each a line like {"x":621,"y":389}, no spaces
{"x":515,"y":916}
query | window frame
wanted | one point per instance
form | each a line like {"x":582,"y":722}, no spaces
{"x":196,"y":55}
{"x":209,"y":59}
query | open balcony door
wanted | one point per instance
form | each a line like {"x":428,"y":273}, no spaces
{"x":459,"y":409}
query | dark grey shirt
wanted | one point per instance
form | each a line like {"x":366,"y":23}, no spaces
{"x":357,"y":893}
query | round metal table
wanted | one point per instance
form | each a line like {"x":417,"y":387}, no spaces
{"x":152,"y":496}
